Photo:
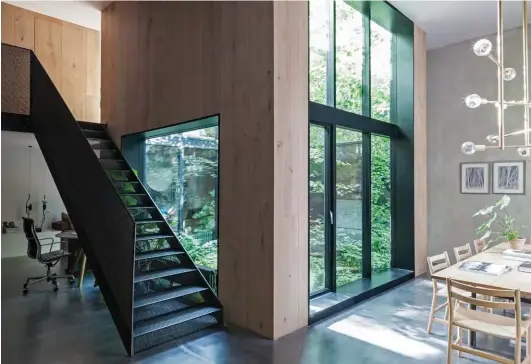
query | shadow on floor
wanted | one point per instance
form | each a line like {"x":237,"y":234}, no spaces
{"x":73,"y":326}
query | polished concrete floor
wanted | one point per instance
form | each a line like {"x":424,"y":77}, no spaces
{"x":73,"y":326}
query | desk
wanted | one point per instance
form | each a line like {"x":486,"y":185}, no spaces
{"x":72,"y":235}
{"x":510,"y":280}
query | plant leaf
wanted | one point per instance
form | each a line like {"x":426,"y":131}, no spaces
{"x":504,"y":202}
{"x":485,"y":211}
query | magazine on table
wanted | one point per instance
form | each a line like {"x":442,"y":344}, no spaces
{"x":485,"y":268}
{"x":525,"y":267}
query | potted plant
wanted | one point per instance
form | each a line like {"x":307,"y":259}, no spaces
{"x":500,"y":225}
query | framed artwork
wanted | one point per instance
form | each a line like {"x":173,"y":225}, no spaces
{"x":475,"y":178}
{"x":508,"y":178}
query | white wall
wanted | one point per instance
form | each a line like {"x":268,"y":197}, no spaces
{"x":453,"y":73}
{"x":16,"y":183}
{"x":84,"y":13}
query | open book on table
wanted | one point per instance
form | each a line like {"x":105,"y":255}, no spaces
{"x":485,"y":268}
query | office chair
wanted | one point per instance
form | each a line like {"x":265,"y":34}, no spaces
{"x":49,"y":259}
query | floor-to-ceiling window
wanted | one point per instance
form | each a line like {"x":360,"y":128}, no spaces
{"x":361,"y":94}
{"x":179,"y":168}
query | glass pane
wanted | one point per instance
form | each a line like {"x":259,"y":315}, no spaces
{"x":181,"y":175}
{"x":317,"y":209}
{"x":381,"y":71}
{"x":348,"y":206}
{"x":349,"y":58}
{"x":319,"y":49}
{"x":381,"y":203}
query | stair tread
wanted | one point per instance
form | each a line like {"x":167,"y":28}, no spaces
{"x":161,"y":273}
{"x":141,"y":207}
{"x":133,"y":194}
{"x":148,"y":221}
{"x":146,"y":326}
{"x":104,"y":147}
{"x":153,"y":236}
{"x":157,"y":254}
{"x":156,"y":297}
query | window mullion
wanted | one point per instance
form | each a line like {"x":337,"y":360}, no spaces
{"x":331,"y":56}
{"x":366,"y":206}
{"x":366,"y":70}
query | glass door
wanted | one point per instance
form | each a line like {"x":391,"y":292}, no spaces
{"x":348,"y":227}
{"x":319,"y":211}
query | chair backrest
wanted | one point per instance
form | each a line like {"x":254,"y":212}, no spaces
{"x":438,"y":262}
{"x":463,"y":252}
{"x":31,"y":236}
{"x":479,"y":245}
{"x":463,"y":293}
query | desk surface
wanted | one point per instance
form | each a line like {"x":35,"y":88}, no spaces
{"x":510,"y":280}
{"x":67,"y":235}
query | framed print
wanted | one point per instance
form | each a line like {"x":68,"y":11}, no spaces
{"x":474,"y":178}
{"x":508,"y":178}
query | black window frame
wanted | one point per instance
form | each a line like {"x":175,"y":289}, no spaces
{"x":399,"y":130}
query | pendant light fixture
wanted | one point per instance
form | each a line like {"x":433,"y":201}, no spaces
{"x":502,"y":140}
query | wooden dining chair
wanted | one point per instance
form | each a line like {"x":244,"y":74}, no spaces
{"x":435,"y":264}
{"x":462,"y":252}
{"x":479,"y":245}
{"x":462,"y":317}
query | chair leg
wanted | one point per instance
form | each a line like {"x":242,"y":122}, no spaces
{"x":34,"y":280}
{"x":450,"y":339}
{"x":528,"y":345}
{"x":432,"y":312}
{"x":518,"y":349}
{"x":82,"y":275}
{"x":460,"y":340}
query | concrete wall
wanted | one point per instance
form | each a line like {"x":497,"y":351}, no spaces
{"x":453,"y":73}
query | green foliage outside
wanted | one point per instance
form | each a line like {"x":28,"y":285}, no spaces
{"x":349,"y":59}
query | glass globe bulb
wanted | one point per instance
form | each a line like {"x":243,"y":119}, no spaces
{"x":493,"y":139}
{"x":473,"y":101}
{"x":509,"y":74}
{"x":482,"y":47}
{"x":524,"y":152}
{"x":468,"y":148}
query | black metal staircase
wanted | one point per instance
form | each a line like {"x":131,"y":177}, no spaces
{"x":171,"y":297}
{"x":153,"y":289}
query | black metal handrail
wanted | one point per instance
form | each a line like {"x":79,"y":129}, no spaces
{"x":104,"y":225}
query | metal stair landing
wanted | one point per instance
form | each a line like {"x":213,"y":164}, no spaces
{"x":171,"y":299}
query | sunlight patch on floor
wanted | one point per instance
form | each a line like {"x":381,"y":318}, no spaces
{"x":384,"y":337}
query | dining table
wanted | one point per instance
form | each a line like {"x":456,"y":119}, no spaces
{"x":513,"y":279}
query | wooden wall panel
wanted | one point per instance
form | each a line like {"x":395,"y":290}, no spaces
{"x":247,"y":165}
{"x":169,"y":62}
{"x":24,"y":29}
{"x":48,"y":48}
{"x":8,"y":24}
{"x":74,"y":67}
{"x":70,"y":54}
{"x":291,"y":165}
{"x":18,"y":26}
{"x":421,"y":153}
{"x":92,"y":79}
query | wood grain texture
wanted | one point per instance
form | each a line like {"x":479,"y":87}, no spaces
{"x":48,"y":48}
{"x":421,"y":153}
{"x":291,"y":165}
{"x":74,"y":67}
{"x":93,"y":77}
{"x":8,"y":24}
{"x":70,"y":53}
{"x":24,"y":28}
{"x":177,"y":61}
